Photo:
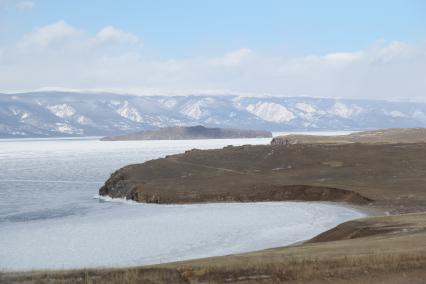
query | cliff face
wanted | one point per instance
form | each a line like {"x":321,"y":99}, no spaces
{"x":192,"y":132}
{"x":117,"y":186}
{"x":391,"y":135}
{"x":390,"y":174}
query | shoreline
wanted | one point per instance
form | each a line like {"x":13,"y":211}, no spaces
{"x":369,"y":209}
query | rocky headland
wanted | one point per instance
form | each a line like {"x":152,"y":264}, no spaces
{"x":387,"y":176}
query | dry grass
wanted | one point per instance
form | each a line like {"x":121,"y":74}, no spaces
{"x":296,"y":270}
{"x":310,"y":269}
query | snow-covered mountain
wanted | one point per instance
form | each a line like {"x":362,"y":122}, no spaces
{"x":51,"y":114}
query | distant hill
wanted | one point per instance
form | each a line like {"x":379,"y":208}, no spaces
{"x":391,"y":135}
{"x":191,"y":132}
{"x":61,"y":114}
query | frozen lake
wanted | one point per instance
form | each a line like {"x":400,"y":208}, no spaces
{"x":49,"y":218}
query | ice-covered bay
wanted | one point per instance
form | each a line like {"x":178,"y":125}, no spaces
{"x":146,"y":234}
{"x":49,"y":218}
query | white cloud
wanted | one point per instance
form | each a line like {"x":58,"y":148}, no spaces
{"x":232,"y":58}
{"x":111,"y":34}
{"x":393,"y":51}
{"x":15,"y":4}
{"x":63,"y":34}
{"x":65,"y":56}
{"x":343,"y":57}
{"x":25,"y":5}
{"x":55,"y":33}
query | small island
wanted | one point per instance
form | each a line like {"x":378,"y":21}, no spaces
{"x":190,"y":132}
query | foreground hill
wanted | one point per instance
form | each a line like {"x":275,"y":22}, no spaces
{"x":191,"y":132}
{"x":391,"y":135}
{"x":52,"y":114}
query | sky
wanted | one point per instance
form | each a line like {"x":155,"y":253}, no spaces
{"x":349,"y":49}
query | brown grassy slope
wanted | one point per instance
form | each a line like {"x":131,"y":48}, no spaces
{"x":393,"y":251}
{"x":393,"y":175}
{"x":390,"y":136}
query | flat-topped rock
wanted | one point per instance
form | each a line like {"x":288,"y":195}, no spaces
{"x":191,"y":132}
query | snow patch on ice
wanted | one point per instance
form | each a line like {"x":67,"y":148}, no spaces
{"x":119,"y":200}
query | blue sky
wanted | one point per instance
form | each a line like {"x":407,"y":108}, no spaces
{"x":184,"y":28}
{"x":318,"y":48}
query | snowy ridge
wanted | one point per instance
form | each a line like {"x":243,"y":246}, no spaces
{"x":56,"y":114}
{"x":62,"y":110}
{"x":129,"y":112}
{"x":271,"y":112}
{"x":196,"y":110}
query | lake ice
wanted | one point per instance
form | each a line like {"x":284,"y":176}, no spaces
{"x":49,"y":217}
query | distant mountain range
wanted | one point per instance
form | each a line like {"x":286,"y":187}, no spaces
{"x":61,"y":114}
